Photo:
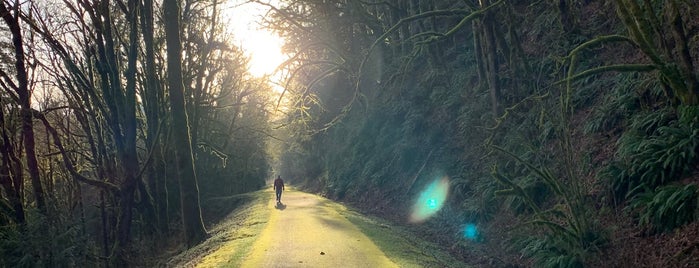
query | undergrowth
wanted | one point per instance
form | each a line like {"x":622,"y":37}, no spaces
{"x":40,"y":243}
{"x":562,"y":235}
{"x":666,"y":208}
{"x":660,"y":147}
{"x":232,"y":237}
{"x":619,"y":104}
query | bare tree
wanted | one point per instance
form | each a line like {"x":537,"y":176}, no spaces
{"x":189,"y":190}
{"x":23,"y":97}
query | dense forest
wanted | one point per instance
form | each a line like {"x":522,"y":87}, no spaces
{"x":566,"y":132}
{"x":120,"y":120}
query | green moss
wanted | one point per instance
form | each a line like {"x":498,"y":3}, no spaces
{"x":232,"y":238}
{"x":241,"y":236}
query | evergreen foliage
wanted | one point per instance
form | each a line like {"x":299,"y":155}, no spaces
{"x":618,"y":105}
{"x":571,"y":235}
{"x":432,"y":96}
{"x":659,"y":148}
{"x":666,"y":208}
{"x":41,"y":243}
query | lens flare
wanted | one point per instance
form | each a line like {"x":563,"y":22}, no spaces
{"x":470,"y":231}
{"x":430,"y":200}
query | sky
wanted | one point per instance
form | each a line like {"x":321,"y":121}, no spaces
{"x":262,"y":46}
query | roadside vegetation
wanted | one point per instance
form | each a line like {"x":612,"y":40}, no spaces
{"x":568,"y":129}
{"x":231,"y":236}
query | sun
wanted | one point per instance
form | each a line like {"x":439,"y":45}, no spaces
{"x":265,"y":52}
{"x":263,"y":47}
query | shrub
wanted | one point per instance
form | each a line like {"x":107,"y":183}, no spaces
{"x":660,"y":147}
{"x":478,"y":202}
{"x":548,"y":251}
{"x":41,"y":243}
{"x":566,"y":232}
{"x":666,"y":208}
{"x":616,"y":106}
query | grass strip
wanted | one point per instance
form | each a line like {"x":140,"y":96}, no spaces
{"x":400,"y":245}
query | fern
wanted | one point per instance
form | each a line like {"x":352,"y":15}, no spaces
{"x":621,"y":182}
{"x":666,"y":208}
{"x":569,"y":232}
{"x":41,"y":243}
{"x":660,"y":148}
{"x":479,"y":203}
{"x":616,"y":105}
{"x":548,"y":251}
{"x":535,"y":189}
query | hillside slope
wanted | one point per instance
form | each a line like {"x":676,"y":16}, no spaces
{"x":568,"y":131}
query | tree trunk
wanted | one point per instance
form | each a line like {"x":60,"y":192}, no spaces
{"x":566,"y":17}
{"x":152,"y":104}
{"x":128,"y":155}
{"x":7,"y":176}
{"x":105,"y":228}
{"x":189,"y":191}
{"x":478,"y":50}
{"x":12,"y":196}
{"x":489,"y":46}
{"x":24,"y":98}
{"x":685,"y":61}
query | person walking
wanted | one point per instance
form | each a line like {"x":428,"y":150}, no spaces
{"x":279,"y":187}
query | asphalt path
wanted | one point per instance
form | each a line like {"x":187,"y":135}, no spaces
{"x":306,"y":230}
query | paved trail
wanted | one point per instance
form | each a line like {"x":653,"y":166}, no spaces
{"x":308,"y":231}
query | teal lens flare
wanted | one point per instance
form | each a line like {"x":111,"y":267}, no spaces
{"x":430,"y":200}
{"x":470,"y":231}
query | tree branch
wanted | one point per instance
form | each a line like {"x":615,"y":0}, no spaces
{"x":66,"y":159}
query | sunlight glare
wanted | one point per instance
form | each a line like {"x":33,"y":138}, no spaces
{"x":262,"y":46}
{"x":265,"y":52}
